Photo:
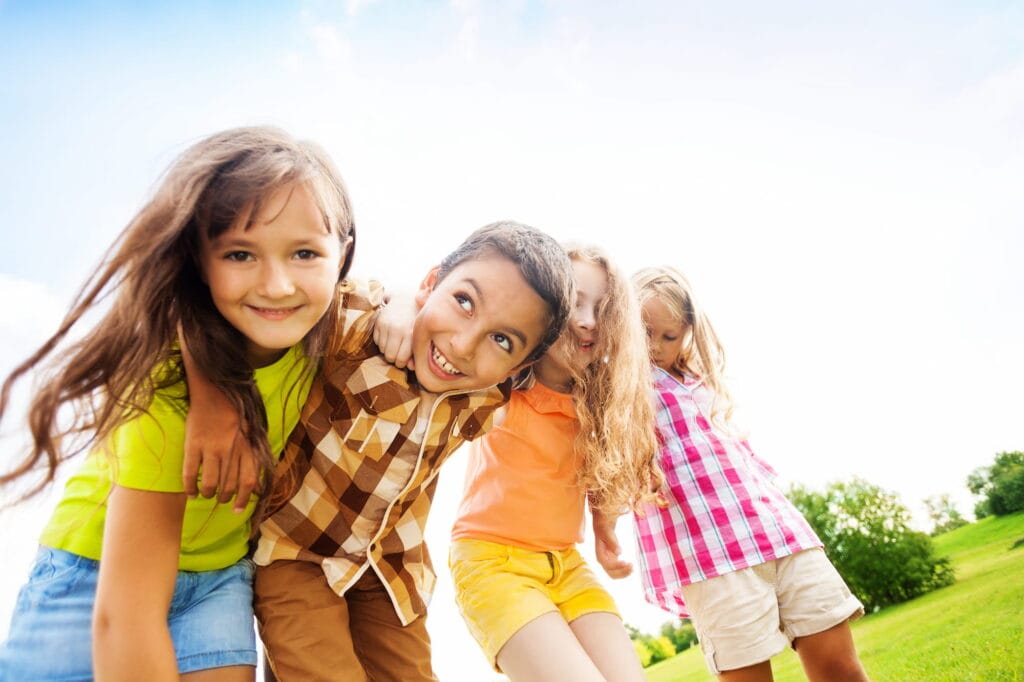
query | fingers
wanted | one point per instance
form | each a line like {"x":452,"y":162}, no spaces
{"x":403,"y":357}
{"x":389,"y":344}
{"x":247,"y":479}
{"x":380,"y":337}
{"x":620,"y":570}
{"x":228,"y":481}
{"x":211,"y":475}
{"x":190,"y":469}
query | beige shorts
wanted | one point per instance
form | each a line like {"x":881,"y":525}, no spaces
{"x":748,"y":616}
{"x":499,"y":589}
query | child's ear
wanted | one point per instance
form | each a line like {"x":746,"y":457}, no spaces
{"x":426,"y":286}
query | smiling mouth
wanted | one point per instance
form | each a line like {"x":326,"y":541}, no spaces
{"x":274,"y":313}
{"x":587,"y":345}
{"x":442,"y":362}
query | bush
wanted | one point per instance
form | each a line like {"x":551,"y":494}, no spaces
{"x":642,"y":652}
{"x":681,"y":633}
{"x":661,"y":649}
{"x":1000,"y":485}
{"x":650,"y":649}
{"x":867,"y":536}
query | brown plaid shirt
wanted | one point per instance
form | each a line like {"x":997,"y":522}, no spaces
{"x":363,"y":463}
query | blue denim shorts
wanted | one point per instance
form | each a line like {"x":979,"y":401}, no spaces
{"x":210,"y":619}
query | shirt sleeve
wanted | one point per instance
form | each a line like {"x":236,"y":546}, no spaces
{"x":358,"y":303}
{"x":148,"y":450}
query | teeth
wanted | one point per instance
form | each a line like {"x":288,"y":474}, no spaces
{"x":443,"y":363}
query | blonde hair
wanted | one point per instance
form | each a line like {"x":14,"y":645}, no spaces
{"x":616,"y":440}
{"x":152,"y":273}
{"x":701,"y":354}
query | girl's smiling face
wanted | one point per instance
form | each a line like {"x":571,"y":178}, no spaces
{"x":275,"y":280}
{"x":576,"y":347}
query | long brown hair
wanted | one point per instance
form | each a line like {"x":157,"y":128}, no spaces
{"x":152,"y":274}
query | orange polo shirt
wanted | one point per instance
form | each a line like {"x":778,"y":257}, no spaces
{"x":521,"y":479}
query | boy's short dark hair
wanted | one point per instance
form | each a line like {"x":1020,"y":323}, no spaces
{"x":542,"y":261}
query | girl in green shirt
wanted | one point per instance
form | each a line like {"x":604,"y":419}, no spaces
{"x":238,"y":253}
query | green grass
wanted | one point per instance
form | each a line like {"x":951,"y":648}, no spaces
{"x":971,"y":631}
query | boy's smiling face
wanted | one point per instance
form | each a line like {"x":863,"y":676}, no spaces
{"x":475,"y":327}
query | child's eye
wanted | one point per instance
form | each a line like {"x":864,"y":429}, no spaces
{"x":464,"y":302}
{"x":670,"y":338}
{"x":238,"y":256}
{"x":306,"y":254}
{"x":504,"y":342}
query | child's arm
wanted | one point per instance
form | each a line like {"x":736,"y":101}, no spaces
{"x":392,"y":332}
{"x":214,"y":443}
{"x":141,"y":541}
{"x":606,"y":545}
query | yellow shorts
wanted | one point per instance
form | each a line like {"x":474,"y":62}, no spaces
{"x":499,"y":589}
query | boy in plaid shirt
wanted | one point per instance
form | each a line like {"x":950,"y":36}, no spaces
{"x":343,"y":575}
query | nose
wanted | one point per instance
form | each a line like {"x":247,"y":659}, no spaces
{"x":275,"y":281}
{"x":464,"y":343}
{"x":586,"y":318}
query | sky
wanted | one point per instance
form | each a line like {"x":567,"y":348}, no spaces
{"x":840,"y":182}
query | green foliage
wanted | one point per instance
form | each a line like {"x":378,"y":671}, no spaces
{"x":649,"y":648}
{"x":943,"y":513}
{"x":661,"y":649}
{"x":681,"y":633}
{"x":642,"y":652}
{"x":867,"y":535}
{"x":1001,"y":485}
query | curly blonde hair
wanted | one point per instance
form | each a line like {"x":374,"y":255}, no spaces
{"x":617,"y":440}
{"x":701,"y":354}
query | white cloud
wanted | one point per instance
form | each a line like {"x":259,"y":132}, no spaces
{"x":354,"y":7}
{"x":330,"y":45}
{"x":469,"y":36}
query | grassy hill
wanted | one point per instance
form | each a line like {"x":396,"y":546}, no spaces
{"x":971,"y":631}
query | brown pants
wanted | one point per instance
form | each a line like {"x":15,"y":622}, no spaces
{"x":310,"y":633}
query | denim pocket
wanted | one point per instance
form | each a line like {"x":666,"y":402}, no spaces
{"x":54,"y":574}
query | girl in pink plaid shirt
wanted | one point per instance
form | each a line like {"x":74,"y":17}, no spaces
{"x":728,"y":549}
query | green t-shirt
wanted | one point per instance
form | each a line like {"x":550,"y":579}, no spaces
{"x":149,"y":452}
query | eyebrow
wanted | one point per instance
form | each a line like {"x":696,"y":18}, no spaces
{"x":241,"y":242}
{"x":511,"y":331}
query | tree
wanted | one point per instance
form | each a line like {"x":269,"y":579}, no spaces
{"x":681,"y":633}
{"x":943,"y":513}
{"x":1000,"y":485}
{"x":649,"y":648}
{"x":867,"y":535}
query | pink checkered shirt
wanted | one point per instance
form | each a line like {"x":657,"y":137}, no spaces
{"x":724,"y":512}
